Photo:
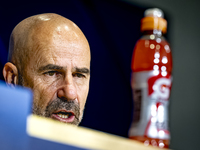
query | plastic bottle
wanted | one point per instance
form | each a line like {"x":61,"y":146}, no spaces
{"x":151,"y":82}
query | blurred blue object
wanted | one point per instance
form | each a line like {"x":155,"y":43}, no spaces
{"x":14,"y":109}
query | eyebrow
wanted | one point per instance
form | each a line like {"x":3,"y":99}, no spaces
{"x":56,"y":67}
{"x":50,"y":67}
{"x":82,"y":70}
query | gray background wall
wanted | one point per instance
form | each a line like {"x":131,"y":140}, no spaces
{"x":184,"y":37}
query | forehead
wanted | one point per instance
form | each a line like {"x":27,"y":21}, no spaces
{"x":60,"y":46}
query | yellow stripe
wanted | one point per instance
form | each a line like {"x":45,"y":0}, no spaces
{"x":52,"y":130}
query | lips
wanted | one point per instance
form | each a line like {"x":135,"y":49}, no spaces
{"x":63,"y":116}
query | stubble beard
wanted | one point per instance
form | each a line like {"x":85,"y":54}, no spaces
{"x":59,"y":104}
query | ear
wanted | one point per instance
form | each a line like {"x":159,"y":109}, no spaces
{"x":10,"y":74}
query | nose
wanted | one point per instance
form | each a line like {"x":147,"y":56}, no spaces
{"x":67,"y":90}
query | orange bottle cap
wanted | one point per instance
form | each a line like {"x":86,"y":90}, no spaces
{"x":151,"y":23}
{"x":154,"y":20}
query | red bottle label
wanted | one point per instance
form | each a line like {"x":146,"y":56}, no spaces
{"x":159,"y":87}
{"x":151,"y":98}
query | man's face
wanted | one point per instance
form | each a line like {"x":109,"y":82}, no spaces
{"x":58,"y":72}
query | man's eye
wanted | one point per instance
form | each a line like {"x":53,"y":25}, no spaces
{"x":50,"y":73}
{"x":79,"y":75}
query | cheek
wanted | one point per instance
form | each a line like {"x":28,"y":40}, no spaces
{"x":83,"y":93}
{"x":43,"y":93}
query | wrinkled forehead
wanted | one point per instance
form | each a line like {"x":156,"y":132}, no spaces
{"x":50,"y":42}
{"x":63,"y":30}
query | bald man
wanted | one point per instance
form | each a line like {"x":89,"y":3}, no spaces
{"x":49,"y":54}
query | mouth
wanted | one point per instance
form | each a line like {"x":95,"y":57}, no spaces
{"x":63,"y":116}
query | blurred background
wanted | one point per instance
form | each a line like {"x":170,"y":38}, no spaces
{"x":112,"y":28}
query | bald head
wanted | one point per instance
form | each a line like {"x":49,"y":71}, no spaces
{"x":30,"y":32}
{"x":49,"y":54}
